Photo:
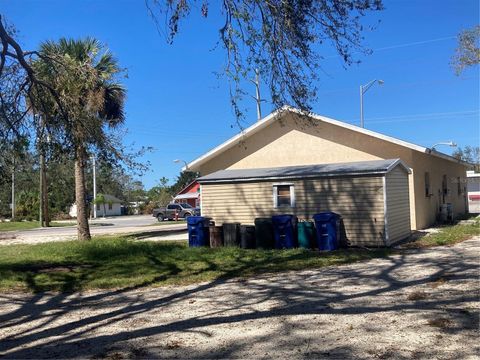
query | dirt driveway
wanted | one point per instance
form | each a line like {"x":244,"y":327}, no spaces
{"x":420,"y":304}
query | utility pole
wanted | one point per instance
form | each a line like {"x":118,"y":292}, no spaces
{"x":13,"y":190}
{"x":46,"y":215}
{"x":44,"y":221}
{"x":94,"y":188}
{"x":257,"y":97}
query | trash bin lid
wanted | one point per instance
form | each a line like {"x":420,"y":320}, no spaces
{"x":282,"y":219}
{"x":326,"y":216}
{"x":305,"y":224}
{"x":194,"y":220}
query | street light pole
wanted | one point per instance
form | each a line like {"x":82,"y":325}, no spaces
{"x":363,"y":90}
{"x":361,"y":106}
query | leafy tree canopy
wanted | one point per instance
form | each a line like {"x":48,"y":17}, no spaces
{"x":469,"y":154}
{"x":282,"y":39}
{"x":467,"y":53}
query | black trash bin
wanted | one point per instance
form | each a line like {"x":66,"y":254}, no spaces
{"x":247,"y":237}
{"x":198,"y":234}
{"x":264,"y":233}
{"x":285,"y":231}
{"x":216,"y":236}
{"x":327,"y":226}
{"x":231,"y":234}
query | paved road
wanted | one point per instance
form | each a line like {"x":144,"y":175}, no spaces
{"x":115,"y":225}
{"x":418,"y":304}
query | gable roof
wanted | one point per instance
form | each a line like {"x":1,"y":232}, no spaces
{"x":277,"y":114}
{"x":188,"y":187}
{"x":112,"y":199}
{"x":373,"y":167}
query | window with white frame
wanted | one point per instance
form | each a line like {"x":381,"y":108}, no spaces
{"x":283,"y":195}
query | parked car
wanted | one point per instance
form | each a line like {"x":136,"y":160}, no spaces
{"x":172,"y":211}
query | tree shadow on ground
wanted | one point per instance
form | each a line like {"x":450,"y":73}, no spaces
{"x":51,"y":330}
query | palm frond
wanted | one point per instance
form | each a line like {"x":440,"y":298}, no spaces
{"x":113,"y":108}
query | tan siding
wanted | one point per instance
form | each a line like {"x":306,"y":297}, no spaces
{"x":359,"y":200}
{"x":398,"y":205}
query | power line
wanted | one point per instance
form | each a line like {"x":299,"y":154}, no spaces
{"x":416,"y":117}
{"x":415,"y":43}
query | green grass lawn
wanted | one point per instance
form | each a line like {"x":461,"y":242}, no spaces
{"x":120,"y":262}
{"x":448,"y":235}
{"x":123,"y":262}
{"x":27,"y":225}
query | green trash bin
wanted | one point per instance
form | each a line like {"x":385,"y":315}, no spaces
{"x":306,"y":234}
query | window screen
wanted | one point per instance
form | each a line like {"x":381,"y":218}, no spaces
{"x":283,"y":195}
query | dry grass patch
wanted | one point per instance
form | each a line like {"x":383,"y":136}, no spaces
{"x":417,"y":295}
{"x":441,"y":323}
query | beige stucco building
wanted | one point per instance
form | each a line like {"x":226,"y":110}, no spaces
{"x":288,"y":138}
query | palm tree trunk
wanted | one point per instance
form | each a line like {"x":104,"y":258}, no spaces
{"x":80,"y":192}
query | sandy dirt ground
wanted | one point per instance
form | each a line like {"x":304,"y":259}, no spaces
{"x":419,"y":304}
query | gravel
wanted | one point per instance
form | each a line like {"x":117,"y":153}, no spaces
{"x":418,"y":304}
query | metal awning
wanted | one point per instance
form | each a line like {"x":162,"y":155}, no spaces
{"x":187,"y":196}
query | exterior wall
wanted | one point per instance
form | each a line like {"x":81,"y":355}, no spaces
{"x":397,"y":205}
{"x":427,"y":208}
{"x":297,"y":141}
{"x":473,"y":190}
{"x":192,"y":202}
{"x":358,"y":199}
{"x":116,"y":210}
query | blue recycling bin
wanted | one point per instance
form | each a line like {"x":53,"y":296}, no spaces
{"x":327,"y":226}
{"x":285,"y":231}
{"x":198,"y":234}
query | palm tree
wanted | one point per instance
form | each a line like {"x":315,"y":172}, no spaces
{"x":91,"y":102}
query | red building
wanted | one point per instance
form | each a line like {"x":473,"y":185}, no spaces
{"x":190,"y":194}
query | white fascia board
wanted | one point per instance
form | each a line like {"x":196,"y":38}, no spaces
{"x":237,"y":138}
{"x":363,"y":131}
{"x":274,"y":115}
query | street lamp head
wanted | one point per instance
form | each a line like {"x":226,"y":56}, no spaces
{"x":447,"y":143}
{"x":176,"y":161}
{"x":380,"y":82}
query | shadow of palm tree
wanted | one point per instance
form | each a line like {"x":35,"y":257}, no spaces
{"x":327,"y":291}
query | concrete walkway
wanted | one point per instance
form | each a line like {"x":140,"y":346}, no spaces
{"x":146,"y":225}
{"x":419,"y":304}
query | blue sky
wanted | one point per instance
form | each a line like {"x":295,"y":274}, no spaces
{"x":177,"y":105}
